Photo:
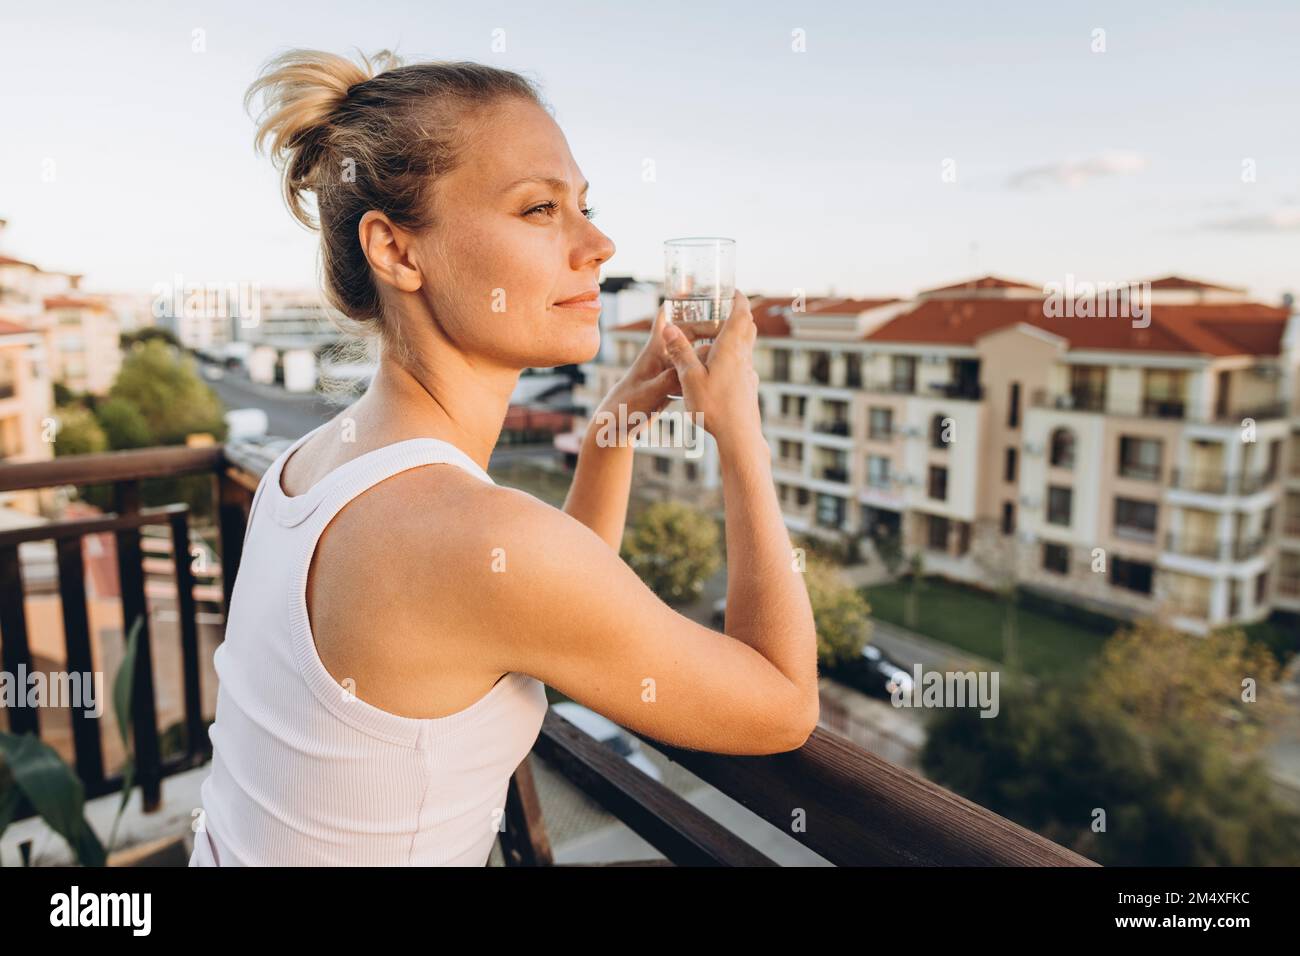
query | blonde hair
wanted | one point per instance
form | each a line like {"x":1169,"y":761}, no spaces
{"x":365,"y":135}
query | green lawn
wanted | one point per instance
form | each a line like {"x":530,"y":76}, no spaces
{"x":972,"y":621}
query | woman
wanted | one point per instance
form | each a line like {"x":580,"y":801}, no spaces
{"x":392,"y":625}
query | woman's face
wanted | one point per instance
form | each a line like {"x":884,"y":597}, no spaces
{"x":511,"y":241}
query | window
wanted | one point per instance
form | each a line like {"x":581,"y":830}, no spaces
{"x":1132,"y":575}
{"x":801,"y":497}
{"x":793,"y":406}
{"x":819,"y":367}
{"x":1139,"y":458}
{"x":1059,"y":501}
{"x":8,"y":376}
{"x":853,"y":369}
{"x":1062,"y":455}
{"x":1135,"y":519}
{"x":663,"y":466}
{"x":1008,"y":517}
{"x":780,"y":365}
{"x":1162,"y":392}
{"x":830,"y":511}
{"x":1009,"y":468}
{"x":877,"y":471}
{"x":1013,"y":406}
{"x":902,"y":376}
{"x":938,"y":483}
{"x":1056,"y":558}
{"x":691,"y":471}
{"x":939,"y":431}
{"x":1088,"y":388}
{"x":937,"y":533}
{"x":880,"y":424}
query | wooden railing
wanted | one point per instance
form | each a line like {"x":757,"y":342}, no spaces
{"x":842,"y":802}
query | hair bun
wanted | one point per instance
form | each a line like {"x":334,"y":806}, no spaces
{"x":301,"y":89}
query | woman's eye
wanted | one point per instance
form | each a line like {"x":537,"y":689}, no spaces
{"x":550,"y":207}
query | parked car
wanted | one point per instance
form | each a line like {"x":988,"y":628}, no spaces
{"x":892,"y":676}
{"x":610,"y":734}
{"x":719,"y":612}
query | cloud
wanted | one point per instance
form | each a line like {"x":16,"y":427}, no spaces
{"x":1286,"y":219}
{"x":1073,"y":173}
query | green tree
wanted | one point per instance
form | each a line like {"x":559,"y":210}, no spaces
{"x":674,"y":548}
{"x":1172,"y":793}
{"x":161,"y":384}
{"x":79,"y":432}
{"x":148,"y":334}
{"x":841,"y":614}
{"x":123,"y":425}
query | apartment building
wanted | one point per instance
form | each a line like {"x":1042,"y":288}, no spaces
{"x":83,"y":342}
{"x":1134,"y":465}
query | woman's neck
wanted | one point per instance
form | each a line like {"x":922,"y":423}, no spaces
{"x":448,"y":399}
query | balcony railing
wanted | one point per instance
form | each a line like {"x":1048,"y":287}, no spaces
{"x":834,"y":473}
{"x":867,"y":810}
{"x":1098,"y":400}
{"x":1213,"y":549}
{"x":1214,"y":482}
{"x":965,"y":391}
{"x":832,"y":427}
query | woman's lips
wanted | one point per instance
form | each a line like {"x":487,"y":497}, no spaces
{"x":589,"y":302}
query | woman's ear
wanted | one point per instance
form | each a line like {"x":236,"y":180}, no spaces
{"x":388,"y":248}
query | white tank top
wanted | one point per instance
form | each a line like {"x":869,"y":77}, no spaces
{"x":305,"y":773}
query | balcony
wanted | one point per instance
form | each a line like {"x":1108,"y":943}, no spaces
{"x":1075,"y":400}
{"x":868,"y":811}
{"x":964,"y":391}
{"x":1214,"y":482}
{"x":1212,"y":549}
{"x":1097,"y":400}
{"x":833,"y":427}
{"x":833,"y":473}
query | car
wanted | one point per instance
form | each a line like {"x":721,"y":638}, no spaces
{"x":720,"y":612}
{"x":610,"y":734}
{"x":213,"y":373}
{"x":892,"y":677}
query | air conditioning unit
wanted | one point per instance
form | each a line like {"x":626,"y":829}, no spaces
{"x":911,"y":431}
{"x":1033,"y":449}
{"x":1029,"y":501}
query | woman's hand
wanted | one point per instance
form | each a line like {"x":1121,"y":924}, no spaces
{"x":645,"y":386}
{"x":723,"y":392}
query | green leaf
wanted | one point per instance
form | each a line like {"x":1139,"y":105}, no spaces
{"x":54,"y":791}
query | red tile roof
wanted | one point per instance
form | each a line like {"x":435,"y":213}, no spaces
{"x":1228,"y":329}
{"x":984,"y":282}
{"x":1216,"y":329}
{"x":1169,"y":283}
{"x":74,"y":302}
{"x":12,"y":328}
{"x":8,"y":261}
{"x":770,"y":312}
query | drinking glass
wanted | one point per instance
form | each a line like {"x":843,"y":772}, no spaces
{"x":699,"y":284}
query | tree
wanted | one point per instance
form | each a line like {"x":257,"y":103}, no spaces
{"x":1137,"y":742}
{"x":172,"y":399}
{"x":1159,"y":677}
{"x":674,"y":549}
{"x":79,"y":432}
{"x":124,"y":426}
{"x":148,"y":334}
{"x":842,"y":616}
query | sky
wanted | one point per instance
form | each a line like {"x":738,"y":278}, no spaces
{"x":859,"y":148}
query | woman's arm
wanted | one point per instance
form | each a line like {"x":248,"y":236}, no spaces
{"x":603,"y":477}
{"x":601,"y":482}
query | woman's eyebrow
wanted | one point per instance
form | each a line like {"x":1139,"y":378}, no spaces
{"x":558,"y":184}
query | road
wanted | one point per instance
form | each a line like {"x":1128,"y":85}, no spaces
{"x":292,"y":415}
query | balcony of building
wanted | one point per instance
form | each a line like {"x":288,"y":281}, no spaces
{"x":867,"y":811}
